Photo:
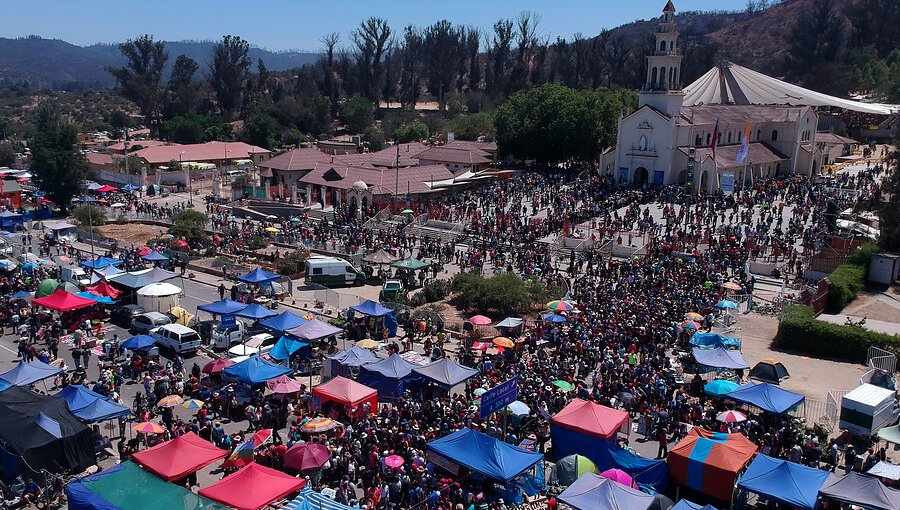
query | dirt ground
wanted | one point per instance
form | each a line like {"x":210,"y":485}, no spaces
{"x":132,"y":233}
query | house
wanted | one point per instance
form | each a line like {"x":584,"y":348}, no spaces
{"x":834,"y":146}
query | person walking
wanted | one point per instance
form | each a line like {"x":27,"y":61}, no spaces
{"x":663,"y":443}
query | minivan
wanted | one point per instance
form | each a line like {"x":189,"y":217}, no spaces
{"x":75,"y":276}
{"x":177,"y":337}
{"x":144,"y":322}
{"x":332,"y":272}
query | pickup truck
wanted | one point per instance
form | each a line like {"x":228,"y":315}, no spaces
{"x":223,"y":338}
{"x":178,"y":338}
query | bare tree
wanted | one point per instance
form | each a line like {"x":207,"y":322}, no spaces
{"x":371,"y":40}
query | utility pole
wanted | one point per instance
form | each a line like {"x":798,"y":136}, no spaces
{"x":396,"y":181}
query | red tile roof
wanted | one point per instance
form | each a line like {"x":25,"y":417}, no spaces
{"x":97,"y":158}
{"x":455,"y":156}
{"x":120,"y":145}
{"x":726,"y":155}
{"x":834,"y":139}
{"x":297,"y":160}
{"x":489,"y":147}
{"x":209,"y":151}
{"x":381,"y":181}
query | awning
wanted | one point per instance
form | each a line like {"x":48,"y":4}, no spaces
{"x":255,"y":312}
{"x":720,"y":358}
{"x":446,"y":373}
{"x":345,"y":391}
{"x":593,"y":492}
{"x":410,"y":263}
{"x":371,"y":308}
{"x":282,"y":322}
{"x":179,"y":457}
{"x":862,"y":490}
{"x":222,"y":307}
{"x":793,"y":484}
{"x":255,"y":370}
{"x":252,"y":487}
{"x":714,"y":340}
{"x":100,"y":263}
{"x":258,"y":275}
{"x":25,"y":374}
{"x":766,"y":397}
{"x":314,"y":330}
{"x":286,"y":346}
{"x":590,"y":418}
{"x":484,"y":454}
{"x":62,"y":301}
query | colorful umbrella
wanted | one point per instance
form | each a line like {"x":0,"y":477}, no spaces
{"x":732,"y":417}
{"x":272,"y":229}
{"x":182,"y":243}
{"x":406,"y":211}
{"x":481,"y":346}
{"x":170,"y":401}
{"x":192,"y":404}
{"x":168,"y":236}
{"x":368,"y":343}
{"x":731,"y":286}
{"x":502,"y":341}
{"x":690,"y":325}
{"x":479,"y":392}
{"x":619,"y":476}
{"x":479,"y":320}
{"x":241,"y":456}
{"x":561,"y":306}
{"x":693,"y":316}
{"x":283,"y":385}
{"x":217,"y":365}
{"x":720,"y":387}
{"x":393,"y":461}
{"x":148,"y":428}
{"x":261,"y":437}
{"x":563,"y":385}
{"x":316,"y":425}
{"x":555,"y":318}
{"x":726,"y":304}
{"x":519,"y":408}
{"x":306,"y":456}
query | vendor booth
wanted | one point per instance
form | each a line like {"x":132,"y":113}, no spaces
{"x":716,"y":358}
{"x":26,"y":374}
{"x":252,"y":487}
{"x":100,"y":263}
{"x":315,"y":330}
{"x":379,"y":317}
{"x":255,"y":312}
{"x":158,"y":297}
{"x":518,"y":470}
{"x":286,"y":346}
{"x":709,"y":462}
{"x":684,"y":504}
{"x":179,"y":457}
{"x":714,"y":341}
{"x":309,"y":499}
{"x":446,"y":373}
{"x":592,"y":492}
{"x":128,"y":487}
{"x":282,"y":322}
{"x":223,"y":307}
{"x":390,"y":377}
{"x":258,"y":276}
{"x":345,"y":363}
{"x":62,"y":301}
{"x":89,"y":406}
{"x":357,"y":398}
{"x":767,"y":397}
{"x":255,"y":370}
{"x":868,"y":408}
{"x":786,"y":482}
{"x":860,"y":490}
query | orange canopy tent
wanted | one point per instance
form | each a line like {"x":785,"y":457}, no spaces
{"x":709,"y":462}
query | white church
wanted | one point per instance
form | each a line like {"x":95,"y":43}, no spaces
{"x":669,"y":138}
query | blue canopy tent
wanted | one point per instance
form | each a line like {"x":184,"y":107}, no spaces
{"x":255,"y":312}
{"x":372,"y":309}
{"x":77,"y":396}
{"x":10,"y":220}
{"x":592,"y":491}
{"x":138,"y":342}
{"x":154,"y":256}
{"x":255,"y":370}
{"x":309,"y":499}
{"x":766,"y":397}
{"x":257,"y":276}
{"x":315,"y":330}
{"x":286,"y":346}
{"x":130,"y":187}
{"x":29,"y":373}
{"x":493,"y":459}
{"x":714,"y":340}
{"x":222,"y":307}
{"x":282,"y":322}
{"x":720,"y":358}
{"x":862,"y":490}
{"x":341,"y":363}
{"x":130,"y":281}
{"x":786,"y":482}
{"x":100,"y":263}
{"x":103,"y":300}
{"x":390,"y":377}
{"x":446,"y":373}
{"x":684,"y":504}
{"x":90,"y":406}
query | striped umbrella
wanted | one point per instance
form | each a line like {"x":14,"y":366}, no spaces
{"x":732,"y":417}
{"x":690,"y":325}
{"x":319,"y":425}
{"x":693,"y":316}
{"x":368,"y":343}
{"x":560,"y":306}
{"x":193,"y":404}
{"x":170,"y":401}
{"x":148,"y":428}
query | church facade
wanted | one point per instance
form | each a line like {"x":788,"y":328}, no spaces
{"x":666,"y":142}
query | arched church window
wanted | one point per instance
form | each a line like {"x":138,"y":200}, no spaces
{"x":662,"y":45}
{"x":774,"y":135}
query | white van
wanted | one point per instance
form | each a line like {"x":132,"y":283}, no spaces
{"x":177,"y":337}
{"x":332,"y":271}
{"x":75,"y":276}
{"x":223,"y":338}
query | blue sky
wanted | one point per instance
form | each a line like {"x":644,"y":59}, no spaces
{"x":300,"y":24}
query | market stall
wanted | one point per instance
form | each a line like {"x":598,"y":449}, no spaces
{"x":345,"y":362}
{"x":782,"y":481}
{"x":282,"y":322}
{"x":766,"y":397}
{"x":390,"y":377}
{"x":709,"y":462}
{"x":348,"y":393}
{"x":591,"y":492}
{"x":179,"y":457}
{"x":860,"y":490}
{"x":252,"y":487}
{"x":446,"y":373}
{"x":255,"y":370}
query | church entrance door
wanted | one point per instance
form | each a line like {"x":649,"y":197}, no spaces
{"x":641,"y":176}
{"x":704,"y":180}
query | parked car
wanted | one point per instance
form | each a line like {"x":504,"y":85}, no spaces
{"x":392,"y":290}
{"x":256,"y":344}
{"x":178,"y":338}
{"x":123,"y":315}
{"x":223,"y":337}
{"x":144,"y":322}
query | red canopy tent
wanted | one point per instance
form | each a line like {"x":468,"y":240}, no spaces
{"x":709,"y":462}
{"x":179,"y":457}
{"x":106,"y":188}
{"x":347,"y":392}
{"x":104,"y":289}
{"x":63,"y":301}
{"x":253,"y":487}
{"x":590,"y":418}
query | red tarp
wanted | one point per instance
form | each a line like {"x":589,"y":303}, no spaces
{"x":63,"y":301}
{"x":104,"y":289}
{"x":252,"y":487}
{"x":347,"y":392}
{"x":590,"y":418}
{"x":179,"y":457}
{"x":710,"y":461}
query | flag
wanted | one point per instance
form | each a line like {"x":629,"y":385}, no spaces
{"x":715,"y":140}
{"x":241,"y":456}
{"x":745,"y":145}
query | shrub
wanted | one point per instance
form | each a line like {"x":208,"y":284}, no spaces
{"x":292,"y":262}
{"x":798,"y":330}
{"x":846,"y":281}
{"x":189,"y":225}
{"x":506,"y":293}
{"x":85,"y":215}
{"x":433,"y":291}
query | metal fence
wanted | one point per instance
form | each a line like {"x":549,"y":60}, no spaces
{"x":881,"y":359}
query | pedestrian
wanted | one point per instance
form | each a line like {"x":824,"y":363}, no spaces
{"x":76,"y":358}
{"x":663,"y":443}
{"x":222,"y":289}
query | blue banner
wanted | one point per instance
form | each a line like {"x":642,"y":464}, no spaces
{"x":228,"y":321}
{"x":499,"y":397}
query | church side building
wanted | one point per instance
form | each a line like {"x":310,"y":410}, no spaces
{"x":665,"y":142}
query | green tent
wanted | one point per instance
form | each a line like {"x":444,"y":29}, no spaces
{"x":410,"y":263}
{"x":46,"y":287}
{"x":129,"y":487}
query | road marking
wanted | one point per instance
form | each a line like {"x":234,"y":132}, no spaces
{"x":10,"y":350}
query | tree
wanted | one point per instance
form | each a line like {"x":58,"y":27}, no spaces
{"x":358,"y":114}
{"x":506,"y":293}
{"x":410,"y":67}
{"x":189,"y":225}
{"x":815,"y":38}
{"x":7,"y":154}
{"x":371,"y":40}
{"x":412,"y":132}
{"x":889,"y":217}
{"x":195,"y":128}
{"x":228,"y":69}
{"x":471,"y":126}
{"x":374,"y":137}
{"x":183,"y":90}
{"x":262,"y":77}
{"x":329,"y":79}
{"x":59,"y":168}
{"x":87,"y":215}
{"x":444,"y":53}
{"x":134,"y":164}
{"x":261,"y":129}
{"x":139,"y":80}
{"x":292,"y":262}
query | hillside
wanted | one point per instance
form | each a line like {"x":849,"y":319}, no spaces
{"x":51,"y":63}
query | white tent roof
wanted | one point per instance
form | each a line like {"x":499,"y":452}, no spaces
{"x":159,"y":289}
{"x":730,"y":83}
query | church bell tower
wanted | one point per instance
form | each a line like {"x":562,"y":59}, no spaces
{"x":662,"y":89}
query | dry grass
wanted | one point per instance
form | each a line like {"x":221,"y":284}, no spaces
{"x":132,"y":233}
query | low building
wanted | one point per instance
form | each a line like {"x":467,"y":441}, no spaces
{"x":217,"y":153}
{"x":834,"y":146}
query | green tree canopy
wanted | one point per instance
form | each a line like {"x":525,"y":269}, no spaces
{"x":411,"y":132}
{"x":139,"y":79}
{"x":59,"y":168}
{"x":358,"y":114}
{"x":87,"y":215}
{"x":471,"y":126}
{"x":551,"y":123}
{"x":189,"y":225}
{"x":196,"y":128}
{"x":228,"y":69}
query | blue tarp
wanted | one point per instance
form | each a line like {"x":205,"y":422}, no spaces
{"x":106,"y":300}
{"x":282,"y":322}
{"x":154,"y":256}
{"x":720,"y":358}
{"x":607,"y":455}
{"x":446,"y":373}
{"x":258,"y":275}
{"x":29,"y":373}
{"x":690,"y":505}
{"x":255,"y":312}
{"x":309,"y":499}
{"x":484,"y":454}
{"x":592,"y":492}
{"x":138,"y":342}
{"x":100,"y":263}
{"x":286,"y":346}
{"x":222,"y":307}
{"x":390,"y":377}
{"x":766,"y":397}
{"x":783,"y":481}
{"x":371,"y":308}
{"x":255,"y":370}
{"x":714,"y":340}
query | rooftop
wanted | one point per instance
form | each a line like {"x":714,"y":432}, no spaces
{"x":209,"y":151}
{"x":707,"y":115}
{"x":760,"y":153}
